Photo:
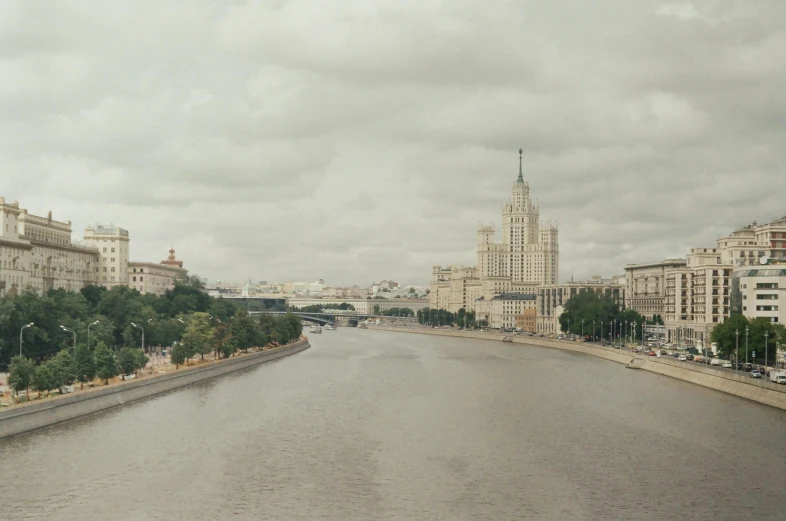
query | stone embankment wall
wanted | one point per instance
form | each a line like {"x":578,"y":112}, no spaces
{"x":742,"y":385}
{"x":50,"y":412}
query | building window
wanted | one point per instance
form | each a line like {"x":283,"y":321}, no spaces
{"x":141,"y":279}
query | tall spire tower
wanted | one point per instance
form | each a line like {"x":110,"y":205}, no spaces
{"x":520,"y":180}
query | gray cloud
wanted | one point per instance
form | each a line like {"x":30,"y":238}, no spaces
{"x":364,"y":140}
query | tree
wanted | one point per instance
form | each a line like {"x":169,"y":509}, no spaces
{"x":220,"y":337}
{"x":483,"y":323}
{"x":20,"y":373}
{"x":126,"y":361}
{"x":141,"y":359}
{"x":106,"y":367}
{"x":376,"y":309}
{"x":44,"y":377}
{"x":725,"y":335}
{"x":242,"y":330}
{"x":84,"y":365}
{"x":198,"y":338}
{"x":178,"y":354}
{"x":63,"y":369}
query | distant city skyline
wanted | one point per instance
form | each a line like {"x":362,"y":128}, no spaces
{"x":270,"y":142}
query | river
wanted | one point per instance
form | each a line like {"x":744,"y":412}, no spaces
{"x":371,"y":425}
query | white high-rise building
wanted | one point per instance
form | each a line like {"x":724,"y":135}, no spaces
{"x":112,"y":244}
{"x":526,"y":257}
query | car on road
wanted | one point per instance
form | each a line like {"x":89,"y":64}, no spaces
{"x":689,"y":357}
{"x":682,"y":358}
{"x":726,"y":364}
{"x":747,"y":367}
{"x":755,"y":374}
{"x":652,"y":353}
{"x":676,"y":355}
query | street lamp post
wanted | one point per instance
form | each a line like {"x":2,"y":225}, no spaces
{"x":143,"y":334}
{"x":601,"y":333}
{"x":593,"y":331}
{"x":737,"y":351}
{"x":766,"y":336}
{"x":582,"y":330}
{"x":88,"y":332}
{"x":746,"y":344}
{"x":70,"y":331}
{"x":31,"y":324}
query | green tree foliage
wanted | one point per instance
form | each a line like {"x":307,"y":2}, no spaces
{"x":398,"y":312}
{"x":141,"y":359}
{"x":106,"y":367}
{"x":725,"y":335}
{"x":242,"y":330}
{"x":220,"y":338}
{"x":178,"y":354}
{"x":376,"y":309}
{"x":45,"y":377}
{"x":84,"y":365}
{"x":437,"y":317}
{"x":20,"y":373}
{"x":126,"y":361}
{"x":63,"y":369}
{"x":590,"y":306}
{"x":198,"y":338}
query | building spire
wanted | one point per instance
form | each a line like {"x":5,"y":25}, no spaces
{"x":520,"y":180}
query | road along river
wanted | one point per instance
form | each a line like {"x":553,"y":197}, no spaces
{"x":381,"y":425}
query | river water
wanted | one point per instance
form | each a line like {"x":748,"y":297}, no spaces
{"x":371,"y":425}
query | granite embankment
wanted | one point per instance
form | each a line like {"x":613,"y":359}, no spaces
{"x":50,"y":412}
{"x":761,"y":391}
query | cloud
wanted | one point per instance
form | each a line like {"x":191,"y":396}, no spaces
{"x":357,"y":140}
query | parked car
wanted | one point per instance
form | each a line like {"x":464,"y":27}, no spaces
{"x":689,"y":357}
{"x":747,"y":367}
{"x":682,"y":358}
{"x":676,"y":355}
{"x":755,"y":374}
{"x":726,"y":364}
{"x":652,"y":353}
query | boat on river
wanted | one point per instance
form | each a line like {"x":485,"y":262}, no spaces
{"x":315,"y":329}
{"x":330,"y":327}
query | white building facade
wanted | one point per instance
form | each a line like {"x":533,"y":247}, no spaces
{"x":527,"y":256}
{"x":38,"y":253}
{"x":112,"y":243}
{"x":697,"y":297}
{"x":760,"y":291}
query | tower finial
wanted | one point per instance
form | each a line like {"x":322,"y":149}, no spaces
{"x":520,"y":180}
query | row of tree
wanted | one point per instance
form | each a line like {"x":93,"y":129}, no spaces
{"x":590,"y":313}
{"x":109,"y":313}
{"x":738,"y":334}
{"x":441,"y":317}
{"x":395,"y":312}
{"x":201,"y":337}
{"x":84,"y":366}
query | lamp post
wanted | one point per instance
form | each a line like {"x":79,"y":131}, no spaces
{"x":582,"y":330}
{"x":88,"y":332}
{"x":593,"y":331}
{"x":737,"y":351}
{"x":601,"y":333}
{"x":70,"y":331}
{"x":766,"y":336}
{"x":143,"y":334}
{"x":746,"y":344}
{"x":31,"y":324}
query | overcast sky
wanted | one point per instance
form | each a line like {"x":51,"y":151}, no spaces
{"x":363,"y":140}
